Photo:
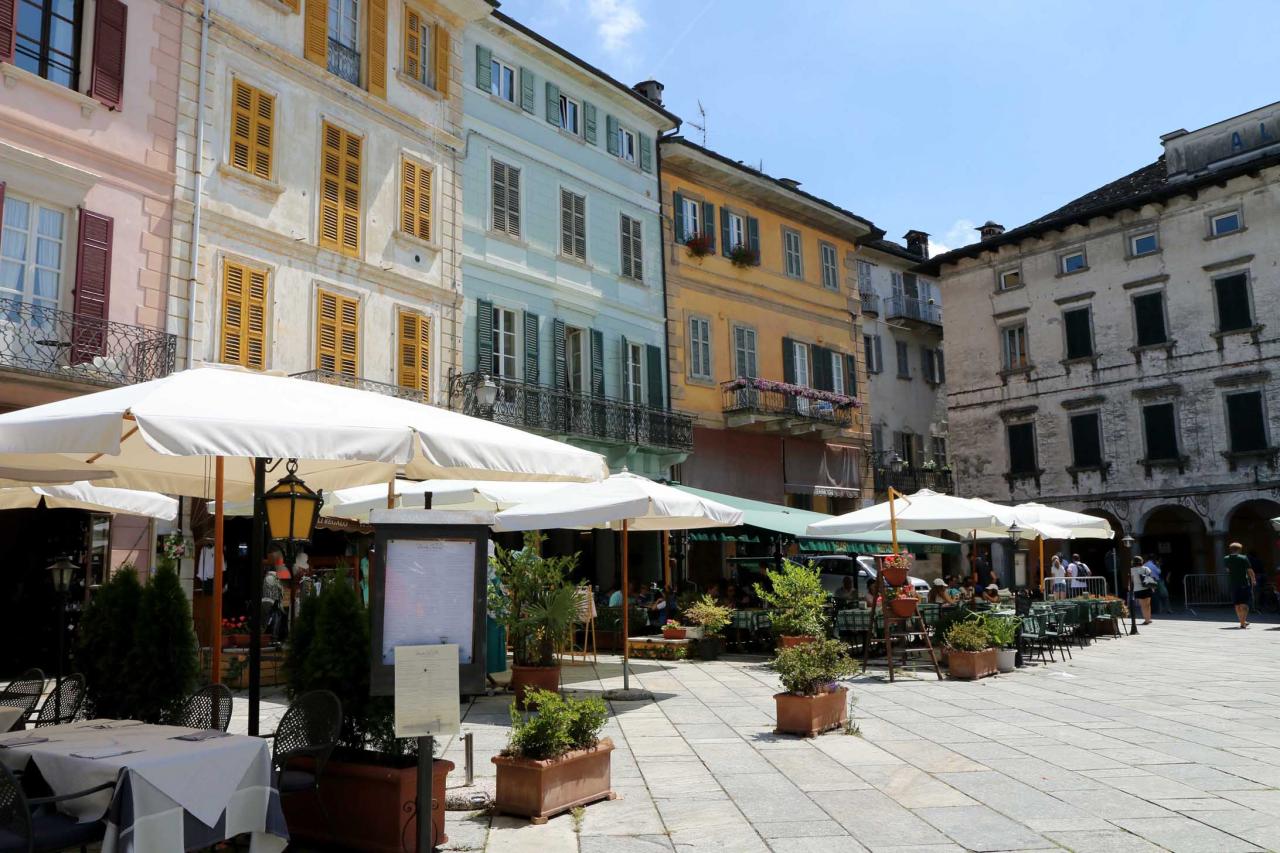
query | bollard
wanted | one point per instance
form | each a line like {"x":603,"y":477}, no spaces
{"x":469,"y":748}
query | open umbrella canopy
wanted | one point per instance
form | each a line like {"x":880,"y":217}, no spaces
{"x":923,"y":510}
{"x":162,"y":435}
{"x":1049,"y":520}
{"x":93,"y":498}
{"x":642,"y":503}
{"x":358,"y":501}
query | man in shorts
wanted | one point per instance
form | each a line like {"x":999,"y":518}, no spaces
{"x":1241,"y":578}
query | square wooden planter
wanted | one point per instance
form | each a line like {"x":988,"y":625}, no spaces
{"x":810,"y":716}
{"x":542,"y":789}
{"x":970,"y":666}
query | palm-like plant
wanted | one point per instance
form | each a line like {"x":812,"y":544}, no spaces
{"x":532,"y":598}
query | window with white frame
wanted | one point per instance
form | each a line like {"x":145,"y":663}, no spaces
{"x":504,"y":343}
{"x":570,"y":111}
{"x":864,"y":276}
{"x":1014,"y":345}
{"x":634,"y":389}
{"x":577,"y":361}
{"x":627,"y":144}
{"x":791,"y":253}
{"x":737,"y":226}
{"x":871,"y":352}
{"x":502,"y":80}
{"x":699,"y":348}
{"x":1225,"y":223}
{"x":691,"y":213}
{"x":1072,"y":262}
{"x":423,"y":45}
{"x":344,"y":40}
{"x":830,"y":268}
{"x":1145,"y":243}
{"x":837,"y":372}
{"x":1009,"y":279}
{"x":800,"y":354}
{"x":744,"y":351}
{"x":33,"y":254}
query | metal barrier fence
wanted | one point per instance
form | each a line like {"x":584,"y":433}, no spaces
{"x":1208,"y":590}
{"x":1074,"y":587}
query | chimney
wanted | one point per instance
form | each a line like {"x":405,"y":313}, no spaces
{"x":990,"y":229}
{"x":917,"y":243}
{"x":791,"y":183}
{"x":650,"y":89}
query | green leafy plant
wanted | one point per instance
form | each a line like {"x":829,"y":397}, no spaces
{"x":104,"y":642}
{"x":812,"y":668}
{"x":970,"y":635}
{"x":699,"y":245}
{"x":561,"y":724}
{"x":744,"y":256}
{"x":533,"y":600}
{"x":710,"y":616}
{"x":1002,"y":629}
{"x":797,"y":599}
{"x":163,"y":663}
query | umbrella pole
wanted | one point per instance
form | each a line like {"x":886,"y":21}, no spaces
{"x":255,"y":594}
{"x":666,"y":559}
{"x":215,"y":677}
{"x":626,"y":610}
{"x":1041,"y":538}
{"x":973,"y":556}
{"x":893,"y":519}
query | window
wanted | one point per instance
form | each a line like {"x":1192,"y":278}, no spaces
{"x":338,"y":333}
{"x":1160,"y":427}
{"x":626,"y":145}
{"x":252,"y":128}
{"x":830,"y":271}
{"x":904,"y":359}
{"x":570,"y":112}
{"x":413,"y":347}
{"x":1072,"y":262}
{"x":244,"y":315}
{"x":344,"y":40}
{"x":575,"y":341}
{"x":877,"y":441}
{"x":791,"y":253}
{"x":1234,"y":312}
{"x":909,"y":447}
{"x":633,"y":389}
{"x":502,"y":80}
{"x":1246,"y":422}
{"x":691,"y":214}
{"x":426,"y":51}
{"x":340,"y":190}
{"x":744,"y":351}
{"x":573,"y":225}
{"x":1086,"y":440}
{"x":837,"y":372}
{"x":1014,"y":341}
{"x":1078,"y":328}
{"x":1148,"y":319}
{"x":699,"y":348}
{"x":864,"y":277}
{"x":1010,"y":279}
{"x":505,"y":191}
{"x":632,"y":248}
{"x":1224,"y":223}
{"x":800,"y":356}
{"x":47,"y":39}
{"x":736,"y":227}
{"x":1143,"y":244}
{"x":1022,"y":448}
{"x":934,"y":370}
{"x":415,"y":199}
{"x":872,"y":353}
{"x":504,"y":343}
{"x":940,"y":451}
{"x":33,"y":258}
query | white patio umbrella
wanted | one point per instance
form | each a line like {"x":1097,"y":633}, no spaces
{"x":623,"y":502}
{"x":358,"y":501}
{"x":923,"y":510}
{"x":84,"y":495}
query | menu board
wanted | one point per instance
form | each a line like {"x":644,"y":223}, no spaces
{"x":429,"y":595}
{"x":426,"y":691}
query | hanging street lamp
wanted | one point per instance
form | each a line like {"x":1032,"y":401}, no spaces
{"x":291,"y":508}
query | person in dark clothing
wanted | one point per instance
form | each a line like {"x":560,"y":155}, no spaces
{"x":1241,"y":577}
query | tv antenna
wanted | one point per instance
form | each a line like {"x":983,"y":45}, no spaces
{"x":702,"y":113}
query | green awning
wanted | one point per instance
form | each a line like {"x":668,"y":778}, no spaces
{"x":794,"y":523}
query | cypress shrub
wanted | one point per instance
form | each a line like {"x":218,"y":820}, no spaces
{"x":104,"y":643}
{"x":164,"y":665}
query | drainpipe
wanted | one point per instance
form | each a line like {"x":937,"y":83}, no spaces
{"x":198,"y":168}
{"x":662,"y":261}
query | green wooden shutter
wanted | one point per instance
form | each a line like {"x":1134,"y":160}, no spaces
{"x":589,"y":122}
{"x":559,"y":356}
{"x":851,"y":375}
{"x":484,"y":336}
{"x":646,"y":153}
{"x":724,"y":232}
{"x":597,"y":363}
{"x":625,"y":363}
{"x":611,"y":134}
{"x":709,"y":223}
{"x":531,"y":366}
{"x":526,"y":90}
{"x":753,"y":236}
{"x":821,"y":369}
{"x":657,"y":375}
{"x":788,"y":361}
{"x":553,"y":103}
{"x":484,"y":74}
{"x":677,"y":216}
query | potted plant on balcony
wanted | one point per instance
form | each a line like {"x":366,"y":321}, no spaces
{"x":798,"y":602}
{"x":699,"y":245}
{"x":812,"y":702}
{"x":970,"y":653}
{"x":532,"y":598}
{"x":710,"y":619}
{"x":672,"y":630}
{"x":555,"y":760}
{"x":744,"y":256}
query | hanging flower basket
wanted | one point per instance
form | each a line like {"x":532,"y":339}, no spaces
{"x":744,"y":256}
{"x":904,"y":607}
{"x":699,"y":245}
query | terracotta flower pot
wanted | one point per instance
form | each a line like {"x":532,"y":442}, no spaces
{"x":894,"y":576}
{"x":526,"y":678}
{"x":809,"y":716}
{"x":972,"y":665}
{"x":541,"y":789}
{"x":673,"y":633}
{"x":787,"y":642}
{"x":904,"y":607}
{"x":240,"y":641}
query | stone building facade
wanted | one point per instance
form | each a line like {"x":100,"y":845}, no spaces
{"x":1120,"y":355}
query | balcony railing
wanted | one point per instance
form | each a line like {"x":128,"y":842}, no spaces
{"x":78,"y":348}
{"x":900,"y":306}
{"x":556,"y":411}
{"x":870,"y":302}
{"x":344,"y":61}
{"x":332,"y":377}
{"x":910,"y":480}
{"x":761,"y":397}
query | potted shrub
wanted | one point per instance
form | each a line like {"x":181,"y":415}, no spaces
{"x":555,"y":760}
{"x":235,"y":632}
{"x":798,"y":602}
{"x":532,"y":599}
{"x":672,"y":630}
{"x":1004,"y":635}
{"x":812,"y":702}
{"x":710,"y":619}
{"x":970,"y":654}
{"x":743,"y":256}
{"x":699,"y":245}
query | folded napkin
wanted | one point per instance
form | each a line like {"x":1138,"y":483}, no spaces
{"x":204,"y":734}
{"x":104,"y":752}
{"x":23,"y":741}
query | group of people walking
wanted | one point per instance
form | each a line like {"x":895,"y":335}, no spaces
{"x":1149,"y":586}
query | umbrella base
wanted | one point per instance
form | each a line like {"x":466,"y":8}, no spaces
{"x":632,"y":694}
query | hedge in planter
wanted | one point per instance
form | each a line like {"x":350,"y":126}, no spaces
{"x":970,"y":652}
{"x":812,"y":702}
{"x":797,"y":600}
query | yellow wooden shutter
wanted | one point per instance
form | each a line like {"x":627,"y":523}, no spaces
{"x":252,"y":129}
{"x":340,"y":191}
{"x":414,"y":348}
{"x":338,"y":333}
{"x":378,"y":48}
{"x":443,"y":51}
{"x":415,"y":199}
{"x":412,"y":47}
{"x":315,"y":32}
{"x":244,"y":315}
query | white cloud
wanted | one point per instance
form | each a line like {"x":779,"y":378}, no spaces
{"x":616,"y":22}
{"x":961,"y":233}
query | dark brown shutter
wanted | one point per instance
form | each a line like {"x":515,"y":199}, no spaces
{"x":2,"y":187}
{"x":8,"y":28}
{"x":108,"y":53}
{"x":93,"y":287}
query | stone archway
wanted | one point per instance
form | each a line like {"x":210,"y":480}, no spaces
{"x":1105,"y":557}
{"x":1176,"y":536}
{"x":1249,"y":523}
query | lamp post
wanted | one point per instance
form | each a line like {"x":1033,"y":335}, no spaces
{"x":1127,"y":541}
{"x":1015,"y":536}
{"x":486,"y":394}
{"x":61,"y":570}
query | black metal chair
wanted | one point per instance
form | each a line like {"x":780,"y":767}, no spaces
{"x":33,"y":825}
{"x":23,"y":692}
{"x":308,"y":729}
{"x":63,"y":704}
{"x":207,"y":708}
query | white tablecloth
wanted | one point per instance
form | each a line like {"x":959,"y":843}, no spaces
{"x":224,"y":783}
{"x":9,"y":716}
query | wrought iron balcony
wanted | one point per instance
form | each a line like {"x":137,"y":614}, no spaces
{"x":332,"y":377}
{"x":556,"y":411}
{"x":78,"y":348}
{"x":908,"y":480}
{"x":870,"y":302}
{"x":344,"y":61}
{"x":783,"y":405}
{"x":913,"y":310}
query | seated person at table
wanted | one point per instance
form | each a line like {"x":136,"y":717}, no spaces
{"x":847,"y":592}
{"x":967,"y":592}
{"x":716,"y":591}
{"x":991,"y":594}
{"x":734,"y":597}
{"x":940,"y":593}
{"x":615,"y":595}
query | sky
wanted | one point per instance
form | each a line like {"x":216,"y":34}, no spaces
{"x":932,"y":115}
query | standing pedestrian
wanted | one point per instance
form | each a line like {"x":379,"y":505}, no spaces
{"x":1161,"y":591}
{"x":1082,"y":571}
{"x":1241,"y":576}
{"x":1057,"y":572}
{"x":1141,"y":582}
{"x":1072,"y":581}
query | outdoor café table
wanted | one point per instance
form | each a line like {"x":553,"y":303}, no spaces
{"x":170,"y":795}
{"x":9,"y":716}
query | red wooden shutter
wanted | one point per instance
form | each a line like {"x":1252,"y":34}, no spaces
{"x":108,"y":52}
{"x":2,"y":189}
{"x":8,"y":28}
{"x":93,"y":287}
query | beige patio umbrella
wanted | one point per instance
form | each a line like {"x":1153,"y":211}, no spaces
{"x":87,"y":496}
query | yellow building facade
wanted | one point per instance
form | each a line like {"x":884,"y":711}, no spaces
{"x":764,"y":333}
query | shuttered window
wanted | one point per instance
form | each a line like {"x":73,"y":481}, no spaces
{"x":413,"y":352}
{"x":415,"y":199}
{"x":1160,"y":426}
{"x":377,"y":49}
{"x":632,"y":248}
{"x":1014,"y":341}
{"x":425,"y":51}
{"x":252,"y":128}
{"x":830,"y":269}
{"x":1148,"y":317}
{"x":903,"y":353}
{"x":791,"y":253}
{"x":744,"y":351}
{"x":107,"y":84}
{"x":1246,"y":422}
{"x":1022,"y":448}
{"x":1079,"y":331}
{"x":1086,"y":440}
{"x":699,"y":348}
{"x":573,"y":225}
{"x":338,"y":333}
{"x":505,"y":186}
{"x":1234,"y":312}
{"x":244,"y":315}
{"x":93,"y":286}
{"x":340,"y":190}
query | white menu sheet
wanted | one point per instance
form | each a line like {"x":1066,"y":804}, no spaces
{"x":427,"y":691}
{"x":430,"y":595}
